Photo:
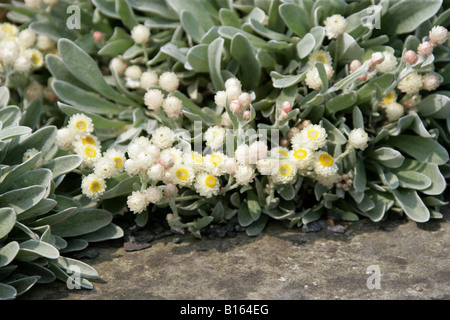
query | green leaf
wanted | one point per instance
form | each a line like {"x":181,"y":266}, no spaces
{"x":126,"y":14}
{"x":294,"y":16}
{"x":281,"y":81}
{"x":306,"y":45}
{"x":197,"y":8}
{"x":244,"y":217}
{"x":4,"y":96}
{"x":85,"y":221}
{"x":197,"y":58}
{"x":74,"y":280}
{"x":32,"y":114}
{"x":257,"y":227}
{"x":243,"y":51}
{"x":32,"y":249}
{"x":10,"y":116}
{"x":407,"y":15}
{"x":431,"y":170}
{"x":109,"y":232}
{"x":22,"y":285}
{"x":49,"y":29}
{"x":254,"y":208}
{"x":348,"y":49}
{"x":214,"y":63}
{"x":115,"y":48}
{"x":203,"y":222}
{"x":341,"y":102}
{"x":334,"y":134}
{"x":157,"y":7}
{"x":63,"y":164}
{"x":266,"y":32}
{"x":286,"y":191}
{"x":82,"y":269}
{"x":8,"y":253}
{"x":58,"y":70}
{"x":75,"y":245}
{"x":420,"y":148}
{"x":42,"y":207}
{"x":411,"y":204}
{"x":56,"y":218}
{"x":358,"y":119}
{"x":15,"y":131}
{"x":123,"y":187}
{"x":435,"y":106}
{"x":229,"y":18}
{"x":22,"y":199}
{"x":7,"y":292}
{"x":388,"y":157}
{"x":34,"y":269}
{"x":40,"y":177}
{"x":366,"y":91}
{"x":218,"y":212}
{"x":98,"y":121}
{"x":413,"y":180}
{"x":192,"y":26}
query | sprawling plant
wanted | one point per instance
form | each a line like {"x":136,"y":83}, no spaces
{"x":212,"y":111}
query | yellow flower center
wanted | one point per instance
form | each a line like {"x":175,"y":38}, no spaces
{"x":215,"y":159}
{"x":321,"y":58}
{"x":95,"y":186}
{"x":285,"y":170}
{"x":197,"y":158}
{"x":300,"y":154}
{"x":389,"y":97}
{"x":210,"y":181}
{"x":90,"y":152}
{"x":283,"y":152}
{"x":88,"y":140}
{"x":81,"y":125}
{"x":326,"y":160}
{"x":182,"y":174}
{"x":35,"y":59}
{"x":312,"y":134}
{"x":118,"y":162}
{"x":8,"y":29}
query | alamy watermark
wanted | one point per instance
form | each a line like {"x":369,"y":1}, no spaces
{"x":374,"y":280}
{"x":74,"y":21}
{"x":372,"y":20}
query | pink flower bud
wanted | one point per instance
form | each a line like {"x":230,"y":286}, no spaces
{"x":170,"y":190}
{"x":246,"y":115}
{"x":377,"y":57}
{"x":286,"y":106}
{"x":245,"y":100}
{"x":267,"y":186}
{"x":438,"y":35}
{"x":167,"y":160}
{"x":363,"y":77}
{"x":410,"y":57}
{"x":425,"y":49}
{"x":354,"y":65}
{"x":97,"y":36}
{"x":235,"y":106}
{"x":283,"y":114}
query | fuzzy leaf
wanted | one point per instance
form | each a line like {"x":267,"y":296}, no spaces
{"x":294,"y":16}
{"x":243,"y":51}
{"x":7,"y":221}
{"x":421,"y":149}
{"x":83,"y":222}
{"x":214,"y":63}
{"x":412,"y":205}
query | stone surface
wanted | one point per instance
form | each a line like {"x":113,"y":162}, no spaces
{"x":279,"y":264}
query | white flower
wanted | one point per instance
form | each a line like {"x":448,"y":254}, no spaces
{"x":242,"y":154}
{"x":313,"y":80}
{"x":92,"y":186}
{"x":327,"y":181}
{"x":111,"y":164}
{"x":148,"y":79}
{"x":89,"y":154}
{"x":182,"y":175}
{"x":302,"y":157}
{"x":286,"y":172}
{"x":169,"y":81}
{"x":393,"y":111}
{"x":133,"y":72}
{"x":244,"y":174}
{"x":324,"y":166}
{"x":118,"y":65}
{"x":173,"y":107}
{"x":137,"y":146}
{"x":45,"y":43}
{"x":358,"y":138}
{"x":156,"y":172}
{"x":140,"y":34}
{"x":34,"y":4}
{"x":35,"y":56}
{"x":257,"y":150}
{"x":154,"y":99}
{"x":214,"y":163}
{"x":153,"y":195}
{"x":22,"y":64}
{"x":312,"y":137}
{"x":245,"y":100}
{"x":334,"y":26}
{"x":230,"y":166}
{"x":175,"y":153}
{"x":233,"y":82}
{"x":132,"y":167}
{"x":8,"y":30}
{"x":29,"y":154}
{"x":430,"y":81}
{"x":411,"y":84}
{"x":220,"y":99}
{"x":137,"y":201}
{"x":194,"y":159}
{"x":438,"y":35}
{"x":207,"y":185}
{"x":163,"y":137}
{"x":27,"y":38}
{"x":388,"y":65}
{"x":80,"y":125}
{"x":279,"y":153}
{"x":389,"y":98}
{"x":225,"y":120}
{"x":319,"y":56}
{"x":267,"y":166}
{"x":64,"y":138}
{"x":9,"y":52}
{"x":215,"y":137}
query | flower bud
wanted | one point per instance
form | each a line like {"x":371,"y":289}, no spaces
{"x":286,"y":106}
{"x":245,"y":100}
{"x":438,"y":35}
{"x":425,"y":49}
{"x":246,"y":115}
{"x":97,"y":36}
{"x":170,"y":190}
{"x":235,"y":107}
{"x":410,"y":57}
{"x":355,"y":65}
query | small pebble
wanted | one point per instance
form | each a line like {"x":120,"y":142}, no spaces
{"x":177,"y":240}
{"x":336,"y":228}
